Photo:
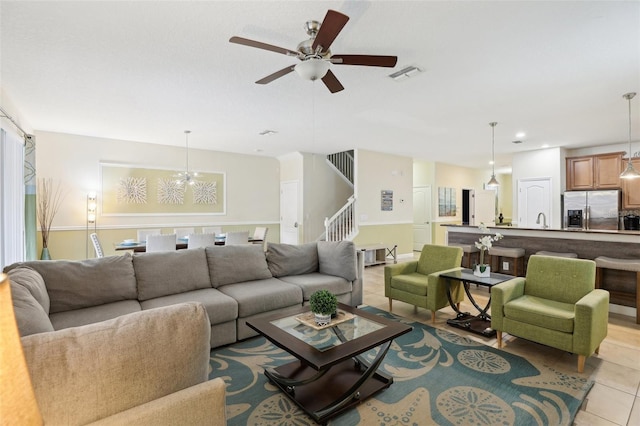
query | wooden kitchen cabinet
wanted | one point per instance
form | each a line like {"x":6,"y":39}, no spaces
{"x":631,"y":188}
{"x":594,"y":172}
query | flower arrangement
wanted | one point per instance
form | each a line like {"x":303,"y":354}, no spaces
{"x":49,"y":198}
{"x":485,"y":243}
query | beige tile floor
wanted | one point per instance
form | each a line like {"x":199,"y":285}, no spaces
{"x":615,"y":397}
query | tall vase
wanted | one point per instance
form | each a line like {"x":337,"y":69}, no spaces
{"x":45,"y":254}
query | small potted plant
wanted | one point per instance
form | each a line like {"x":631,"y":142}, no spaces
{"x":323,"y":305}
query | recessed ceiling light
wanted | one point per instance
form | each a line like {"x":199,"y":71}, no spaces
{"x":521,"y":135}
{"x":491,"y":162}
{"x":517,"y":142}
{"x":546,"y":145}
{"x":258,"y":150}
{"x":267,"y":132}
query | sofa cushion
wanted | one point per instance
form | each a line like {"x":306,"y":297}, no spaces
{"x":163,"y":273}
{"x":220,"y":307}
{"x":261,"y":296}
{"x":544,"y":313}
{"x":338,"y":258}
{"x":93,"y":314}
{"x":74,"y":284}
{"x":83,"y":374}
{"x":30,"y":314}
{"x":310,"y":283}
{"x":289,"y":259}
{"x":236,"y":264}
{"x":32,"y":281}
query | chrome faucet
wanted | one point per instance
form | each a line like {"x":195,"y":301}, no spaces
{"x":544,"y":220}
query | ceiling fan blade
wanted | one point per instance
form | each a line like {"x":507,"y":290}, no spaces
{"x":332,"y":82}
{"x":329,"y":30}
{"x":260,"y":45}
{"x":366,"y":60}
{"x":275,"y":75}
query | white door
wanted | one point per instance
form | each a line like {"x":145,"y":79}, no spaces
{"x":289,"y":212}
{"x":421,"y":217}
{"x":484,"y":207}
{"x":534,"y":197}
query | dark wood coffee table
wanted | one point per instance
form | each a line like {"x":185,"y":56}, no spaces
{"x":479,"y":323}
{"x":329,"y":374}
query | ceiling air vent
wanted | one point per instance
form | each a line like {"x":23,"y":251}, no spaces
{"x":405,"y":73}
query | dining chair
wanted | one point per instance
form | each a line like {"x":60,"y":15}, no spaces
{"x":143,"y":233}
{"x":161,"y":242}
{"x":237,"y":238}
{"x":212,"y":230}
{"x":96,"y":245}
{"x":260,"y":233}
{"x":201,"y":240}
{"x":182,"y":233}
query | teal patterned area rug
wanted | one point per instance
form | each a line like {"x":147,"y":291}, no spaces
{"x":440,"y":378}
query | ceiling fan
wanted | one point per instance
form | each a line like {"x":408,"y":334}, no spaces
{"x":315,"y":55}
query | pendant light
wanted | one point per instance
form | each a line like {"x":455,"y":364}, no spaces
{"x":493,"y":182}
{"x":186,"y":177}
{"x":630,"y":172}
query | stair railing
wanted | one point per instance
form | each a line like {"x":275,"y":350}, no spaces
{"x":342,"y":225}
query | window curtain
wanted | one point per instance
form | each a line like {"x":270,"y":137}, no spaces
{"x":30,"y":218}
{"x":12,"y":195}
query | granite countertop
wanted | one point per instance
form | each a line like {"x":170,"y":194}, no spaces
{"x":572,"y":230}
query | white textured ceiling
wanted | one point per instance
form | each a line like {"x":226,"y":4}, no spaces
{"x":145,"y":71}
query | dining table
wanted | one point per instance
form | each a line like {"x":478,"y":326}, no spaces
{"x":181,"y":243}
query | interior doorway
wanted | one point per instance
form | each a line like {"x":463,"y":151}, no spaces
{"x":289,"y":212}
{"x":421,"y":217}
{"x":534,"y":197}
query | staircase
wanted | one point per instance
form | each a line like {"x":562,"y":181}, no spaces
{"x":342,"y":225}
{"x":343,"y":164}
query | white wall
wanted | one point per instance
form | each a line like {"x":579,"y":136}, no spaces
{"x":376,"y":172}
{"x":252,"y":182}
{"x":544,"y":163}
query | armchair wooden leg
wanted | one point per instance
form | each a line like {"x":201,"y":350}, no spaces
{"x":581,"y":360}
{"x":598,"y":350}
{"x":433,"y":317}
{"x":499,"y":336}
{"x":390,"y":304}
{"x":458,"y":305}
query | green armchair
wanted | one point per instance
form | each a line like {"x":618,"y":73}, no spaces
{"x":419,"y":283}
{"x":556,"y":304}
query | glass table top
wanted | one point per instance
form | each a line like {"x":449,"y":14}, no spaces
{"x":329,"y":337}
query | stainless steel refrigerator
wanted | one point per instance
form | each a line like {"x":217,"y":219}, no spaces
{"x":591,"y":209}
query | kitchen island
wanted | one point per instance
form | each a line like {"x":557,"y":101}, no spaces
{"x":587,"y":244}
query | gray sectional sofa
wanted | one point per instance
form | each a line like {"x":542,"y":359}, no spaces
{"x":233,"y":283}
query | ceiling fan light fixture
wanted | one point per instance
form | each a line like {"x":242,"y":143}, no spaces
{"x":630,"y":172}
{"x":312,"y":68}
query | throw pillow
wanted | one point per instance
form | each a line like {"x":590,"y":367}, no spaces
{"x":288,"y":259}
{"x":236,"y":264}
{"x":338,"y":258}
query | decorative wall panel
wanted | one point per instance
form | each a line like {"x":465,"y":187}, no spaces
{"x":128,"y":190}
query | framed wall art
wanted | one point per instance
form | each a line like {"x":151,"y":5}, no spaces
{"x":128,"y":190}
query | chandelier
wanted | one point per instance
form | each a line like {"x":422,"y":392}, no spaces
{"x":186,"y":177}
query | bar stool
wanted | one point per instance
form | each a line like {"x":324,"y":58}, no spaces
{"x":513,"y":255}
{"x":557,"y":254}
{"x":631,"y":265}
{"x":470,"y":254}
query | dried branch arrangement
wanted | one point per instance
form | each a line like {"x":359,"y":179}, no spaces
{"x":49,"y":198}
